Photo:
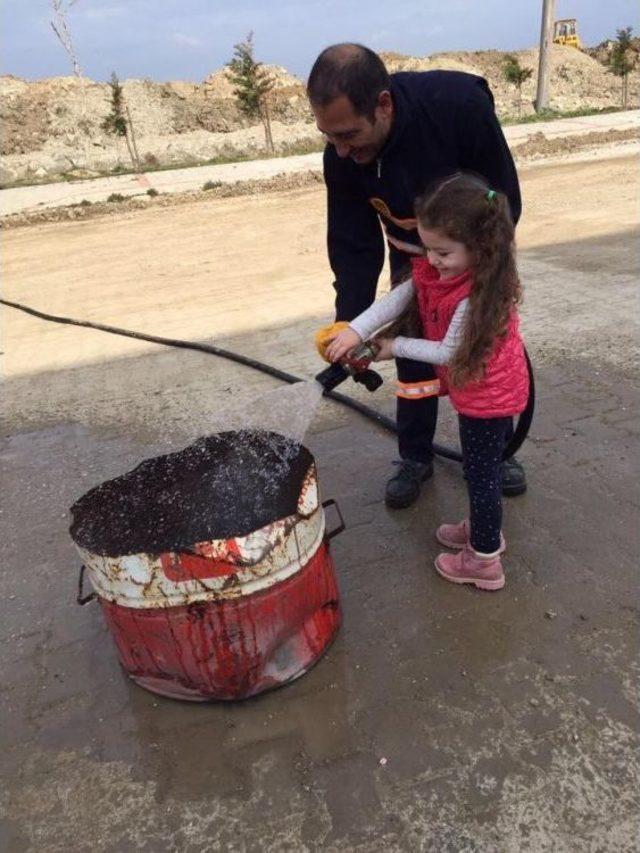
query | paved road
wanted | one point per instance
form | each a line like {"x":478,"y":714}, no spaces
{"x":178,"y":180}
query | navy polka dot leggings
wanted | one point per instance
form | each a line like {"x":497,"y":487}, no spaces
{"x":483,"y":441}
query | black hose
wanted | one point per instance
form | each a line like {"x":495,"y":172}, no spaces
{"x":524,"y":421}
{"x":385,"y":422}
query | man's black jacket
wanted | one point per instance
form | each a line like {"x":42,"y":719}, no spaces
{"x":444,"y":121}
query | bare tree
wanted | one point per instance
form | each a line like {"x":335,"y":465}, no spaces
{"x":61,"y":29}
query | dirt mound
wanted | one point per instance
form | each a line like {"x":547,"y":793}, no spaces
{"x":219,"y":85}
{"x":577,"y":79}
{"x":53,"y":127}
{"x":602,"y":52}
{"x":71,"y":112}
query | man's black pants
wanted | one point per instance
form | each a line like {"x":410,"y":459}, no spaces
{"x":416,"y":414}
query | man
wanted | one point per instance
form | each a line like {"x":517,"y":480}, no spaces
{"x":389,"y":137}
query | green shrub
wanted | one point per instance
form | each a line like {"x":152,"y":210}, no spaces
{"x":117,"y":197}
{"x":211,"y":185}
{"x":152,"y":192}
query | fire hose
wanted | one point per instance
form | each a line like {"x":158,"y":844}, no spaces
{"x":519,"y":434}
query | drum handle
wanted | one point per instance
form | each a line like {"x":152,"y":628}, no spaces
{"x":83,"y":599}
{"x":341,"y":526}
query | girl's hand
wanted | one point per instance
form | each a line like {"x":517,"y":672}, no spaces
{"x":344,"y":341}
{"x":384,"y":349}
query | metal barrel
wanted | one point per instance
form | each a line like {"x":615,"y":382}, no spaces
{"x":226,"y":618}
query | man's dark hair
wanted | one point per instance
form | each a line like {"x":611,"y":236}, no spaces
{"x":352,"y":70}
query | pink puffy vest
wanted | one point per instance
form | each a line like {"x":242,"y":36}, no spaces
{"x":504,"y":387}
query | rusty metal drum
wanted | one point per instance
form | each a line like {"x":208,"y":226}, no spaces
{"x":220,"y":618}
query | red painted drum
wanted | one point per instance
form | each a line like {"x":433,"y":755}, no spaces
{"x":222,"y":618}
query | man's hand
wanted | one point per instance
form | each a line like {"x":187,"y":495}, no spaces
{"x":344,"y":341}
{"x":384,"y":352}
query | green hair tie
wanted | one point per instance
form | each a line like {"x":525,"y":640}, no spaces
{"x":491,"y":195}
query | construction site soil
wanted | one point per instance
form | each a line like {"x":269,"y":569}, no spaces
{"x":53,"y":127}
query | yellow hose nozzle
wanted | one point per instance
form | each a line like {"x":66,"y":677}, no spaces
{"x":326,"y":334}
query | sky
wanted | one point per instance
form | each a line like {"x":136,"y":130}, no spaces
{"x":188,"y":39}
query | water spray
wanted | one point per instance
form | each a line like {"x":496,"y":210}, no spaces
{"x":520,"y":432}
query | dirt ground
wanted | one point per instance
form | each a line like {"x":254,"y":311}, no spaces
{"x":178,"y":272}
{"x":507,"y":722}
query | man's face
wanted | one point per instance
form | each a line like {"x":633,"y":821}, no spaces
{"x":354,"y":135}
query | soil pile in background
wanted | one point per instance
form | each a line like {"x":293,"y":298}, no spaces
{"x":53,"y":127}
{"x":577,"y":79}
{"x":602,"y":51}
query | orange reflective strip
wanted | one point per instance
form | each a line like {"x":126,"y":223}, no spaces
{"x":418,"y":390}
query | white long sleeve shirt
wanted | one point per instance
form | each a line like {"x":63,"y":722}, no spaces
{"x":384,"y":310}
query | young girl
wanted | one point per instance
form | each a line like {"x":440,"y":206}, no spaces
{"x":465,"y":288}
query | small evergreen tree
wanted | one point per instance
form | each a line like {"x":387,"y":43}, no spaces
{"x":252,"y":86}
{"x":517,"y":75}
{"x":622,"y":60}
{"x":116,"y":121}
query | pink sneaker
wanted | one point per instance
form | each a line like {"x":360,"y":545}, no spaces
{"x":466,"y":567}
{"x":457,"y":535}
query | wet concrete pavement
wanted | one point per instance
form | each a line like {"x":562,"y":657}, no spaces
{"x":442,"y":719}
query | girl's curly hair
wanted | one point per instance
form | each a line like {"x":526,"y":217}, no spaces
{"x":464,"y":208}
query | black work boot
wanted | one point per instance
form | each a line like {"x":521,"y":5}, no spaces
{"x":514,"y":480}
{"x":403,"y":488}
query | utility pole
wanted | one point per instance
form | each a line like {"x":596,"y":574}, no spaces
{"x":546,"y":38}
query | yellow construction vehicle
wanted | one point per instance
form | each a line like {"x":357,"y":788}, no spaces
{"x":565,"y":32}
